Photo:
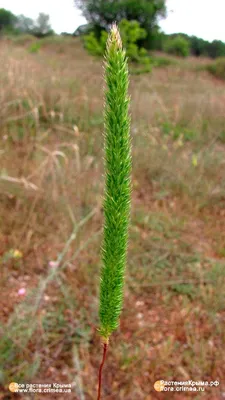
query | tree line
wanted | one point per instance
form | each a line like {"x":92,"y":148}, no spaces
{"x":12,"y":24}
{"x":197,"y":46}
{"x":100,"y":14}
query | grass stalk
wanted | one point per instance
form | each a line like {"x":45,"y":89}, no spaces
{"x":117,"y":189}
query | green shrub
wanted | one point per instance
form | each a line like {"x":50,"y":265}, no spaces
{"x":160,"y":61}
{"x":93,"y":45}
{"x":222,"y":137}
{"x":34,"y":47}
{"x":22,"y":40}
{"x":178,"y":132}
{"x":131,"y":32}
{"x":177,"y":46}
{"x":217,"y":68}
{"x":141,"y":70}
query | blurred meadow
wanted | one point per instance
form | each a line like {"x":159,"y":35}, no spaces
{"x":51,"y":189}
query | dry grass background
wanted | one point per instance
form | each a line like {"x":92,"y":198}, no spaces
{"x":51,"y":186}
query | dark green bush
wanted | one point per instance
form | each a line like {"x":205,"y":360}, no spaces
{"x":141,"y":70}
{"x":178,"y":46}
{"x":160,"y":61}
{"x":217,"y":68}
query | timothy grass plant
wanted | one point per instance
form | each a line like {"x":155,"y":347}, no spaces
{"x":117,"y":189}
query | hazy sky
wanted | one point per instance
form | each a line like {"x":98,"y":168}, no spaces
{"x":202,"y":18}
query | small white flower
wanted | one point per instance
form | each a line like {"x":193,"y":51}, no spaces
{"x":139,"y":303}
{"x":21,"y":292}
{"x":53,"y":264}
{"x":76,"y":130}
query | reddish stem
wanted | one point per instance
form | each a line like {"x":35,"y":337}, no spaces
{"x":100,"y":371}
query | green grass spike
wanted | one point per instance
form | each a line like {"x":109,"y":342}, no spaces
{"x":117,"y":184}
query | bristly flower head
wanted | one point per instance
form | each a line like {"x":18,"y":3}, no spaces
{"x":117,"y":184}
{"x":114,"y":37}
